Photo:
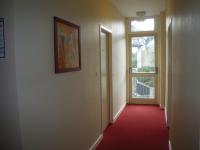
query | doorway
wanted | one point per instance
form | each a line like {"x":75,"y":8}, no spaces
{"x":105,"y":77}
{"x":143,"y":79}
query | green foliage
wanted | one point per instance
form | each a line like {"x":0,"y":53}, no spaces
{"x":134,"y":61}
{"x":146,"y":69}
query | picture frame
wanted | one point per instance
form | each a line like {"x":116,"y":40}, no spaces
{"x":67,"y":49}
{"x":2,"y":39}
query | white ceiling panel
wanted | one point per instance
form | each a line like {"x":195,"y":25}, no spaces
{"x":128,"y":8}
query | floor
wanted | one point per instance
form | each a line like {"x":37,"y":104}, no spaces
{"x":139,"y":127}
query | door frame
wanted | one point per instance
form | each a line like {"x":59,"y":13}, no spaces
{"x":157,"y":33}
{"x":110,"y":87}
{"x":169,"y":70}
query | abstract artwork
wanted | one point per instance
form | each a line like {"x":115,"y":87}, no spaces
{"x":2,"y":40}
{"x":66,"y":46}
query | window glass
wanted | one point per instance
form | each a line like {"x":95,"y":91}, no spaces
{"x":143,"y":87}
{"x":143,"y":25}
{"x":143,"y":54}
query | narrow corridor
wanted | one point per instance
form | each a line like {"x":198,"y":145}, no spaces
{"x":139,"y":127}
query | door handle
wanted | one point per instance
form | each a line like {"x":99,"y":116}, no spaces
{"x":130,"y":70}
{"x":156,"y":70}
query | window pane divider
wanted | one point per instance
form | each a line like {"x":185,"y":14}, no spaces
{"x":142,"y":34}
{"x":143,"y":75}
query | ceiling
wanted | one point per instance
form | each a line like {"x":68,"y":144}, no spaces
{"x":128,"y":8}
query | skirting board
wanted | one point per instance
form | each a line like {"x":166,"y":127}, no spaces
{"x":166,"y":119}
{"x":96,"y":143}
{"x":119,"y":112}
{"x":162,"y":107}
{"x":170,"y":146}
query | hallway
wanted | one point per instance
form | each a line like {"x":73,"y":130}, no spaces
{"x":152,"y":57}
{"x":139,"y":127}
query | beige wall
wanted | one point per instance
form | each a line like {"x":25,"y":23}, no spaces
{"x":184,"y":129}
{"x":162,"y":59}
{"x":60,"y":111}
{"x":9,"y":119}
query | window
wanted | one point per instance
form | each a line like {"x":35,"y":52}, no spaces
{"x":143,"y":87}
{"x":143,"y":61}
{"x":143,"y":54}
{"x":143,"y":25}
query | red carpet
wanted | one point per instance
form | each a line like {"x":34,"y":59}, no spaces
{"x":139,"y":127}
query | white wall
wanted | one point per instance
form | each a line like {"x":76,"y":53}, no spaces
{"x":185,"y":115}
{"x":62,"y":111}
{"x":119,"y":68}
{"x":9,"y":126}
{"x":162,"y":59}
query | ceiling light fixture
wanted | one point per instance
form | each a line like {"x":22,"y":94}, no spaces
{"x":141,"y":14}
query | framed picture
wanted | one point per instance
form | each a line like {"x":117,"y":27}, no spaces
{"x":67,"y":50}
{"x":2,"y":39}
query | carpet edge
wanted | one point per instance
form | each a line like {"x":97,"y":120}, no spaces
{"x":96,"y":143}
{"x":118,"y":113}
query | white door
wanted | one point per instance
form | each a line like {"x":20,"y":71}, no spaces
{"x":105,"y":79}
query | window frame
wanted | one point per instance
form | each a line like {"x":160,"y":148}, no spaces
{"x":156,"y":28}
{"x":130,"y":34}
